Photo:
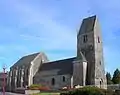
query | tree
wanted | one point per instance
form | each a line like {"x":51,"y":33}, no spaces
{"x":109,"y":79}
{"x":116,"y":77}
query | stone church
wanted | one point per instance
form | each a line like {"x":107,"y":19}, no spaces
{"x":86,"y":68}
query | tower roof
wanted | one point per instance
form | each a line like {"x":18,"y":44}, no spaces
{"x":87,"y":25}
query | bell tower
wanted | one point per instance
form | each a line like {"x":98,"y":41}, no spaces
{"x":89,"y":42}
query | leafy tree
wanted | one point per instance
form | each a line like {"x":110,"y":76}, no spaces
{"x":116,"y":77}
{"x":109,"y":79}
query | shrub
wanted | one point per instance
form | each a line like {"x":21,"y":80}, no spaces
{"x":117,"y":92}
{"x":44,"y":88}
{"x":88,"y":91}
{"x":38,"y":87}
{"x":34,"y":86}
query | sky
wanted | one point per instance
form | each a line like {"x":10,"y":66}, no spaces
{"x":51,"y":26}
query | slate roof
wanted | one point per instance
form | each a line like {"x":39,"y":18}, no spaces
{"x":87,"y":24}
{"x":26,"y":60}
{"x":64,"y":66}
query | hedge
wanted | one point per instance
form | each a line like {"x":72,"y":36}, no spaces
{"x":89,"y":91}
{"x":38,"y":87}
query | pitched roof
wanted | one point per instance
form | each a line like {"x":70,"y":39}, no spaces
{"x":64,"y":66}
{"x":26,"y":60}
{"x":81,"y":57}
{"x":87,"y":24}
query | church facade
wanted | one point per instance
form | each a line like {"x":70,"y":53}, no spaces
{"x":86,"y":68}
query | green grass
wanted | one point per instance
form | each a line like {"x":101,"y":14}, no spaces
{"x":47,"y":93}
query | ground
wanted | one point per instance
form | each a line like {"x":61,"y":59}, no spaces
{"x":8,"y":93}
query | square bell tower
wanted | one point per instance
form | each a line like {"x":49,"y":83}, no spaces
{"x":89,"y":42}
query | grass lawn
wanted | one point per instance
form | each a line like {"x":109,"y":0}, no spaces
{"x":47,"y":93}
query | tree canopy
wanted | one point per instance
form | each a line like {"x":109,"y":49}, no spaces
{"x":109,"y":79}
{"x":116,"y":77}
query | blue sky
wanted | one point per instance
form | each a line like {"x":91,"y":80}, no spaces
{"x":51,"y":26}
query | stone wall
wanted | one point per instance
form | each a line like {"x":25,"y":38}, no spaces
{"x":88,"y":53}
{"x":92,"y":48}
{"x":100,"y":78}
{"x":113,"y":87}
{"x":31,"y":92}
{"x":59,"y":82}
{"x":22,"y":75}
{"x":35,"y":65}
{"x":79,"y":73}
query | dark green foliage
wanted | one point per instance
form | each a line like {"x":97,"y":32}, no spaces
{"x":35,"y":86}
{"x":116,"y":77}
{"x":89,"y":91}
{"x":39,"y":87}
{"x":109,"y":79}
{"x":117,"y":92}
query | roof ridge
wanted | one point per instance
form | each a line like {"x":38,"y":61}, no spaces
{"x":26,"y":59}
{"x":31,"y":54}
{"x":62,"y":59}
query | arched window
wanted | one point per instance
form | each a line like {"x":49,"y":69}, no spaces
{"x":53,"y":81}
{"x":63,"y":78}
